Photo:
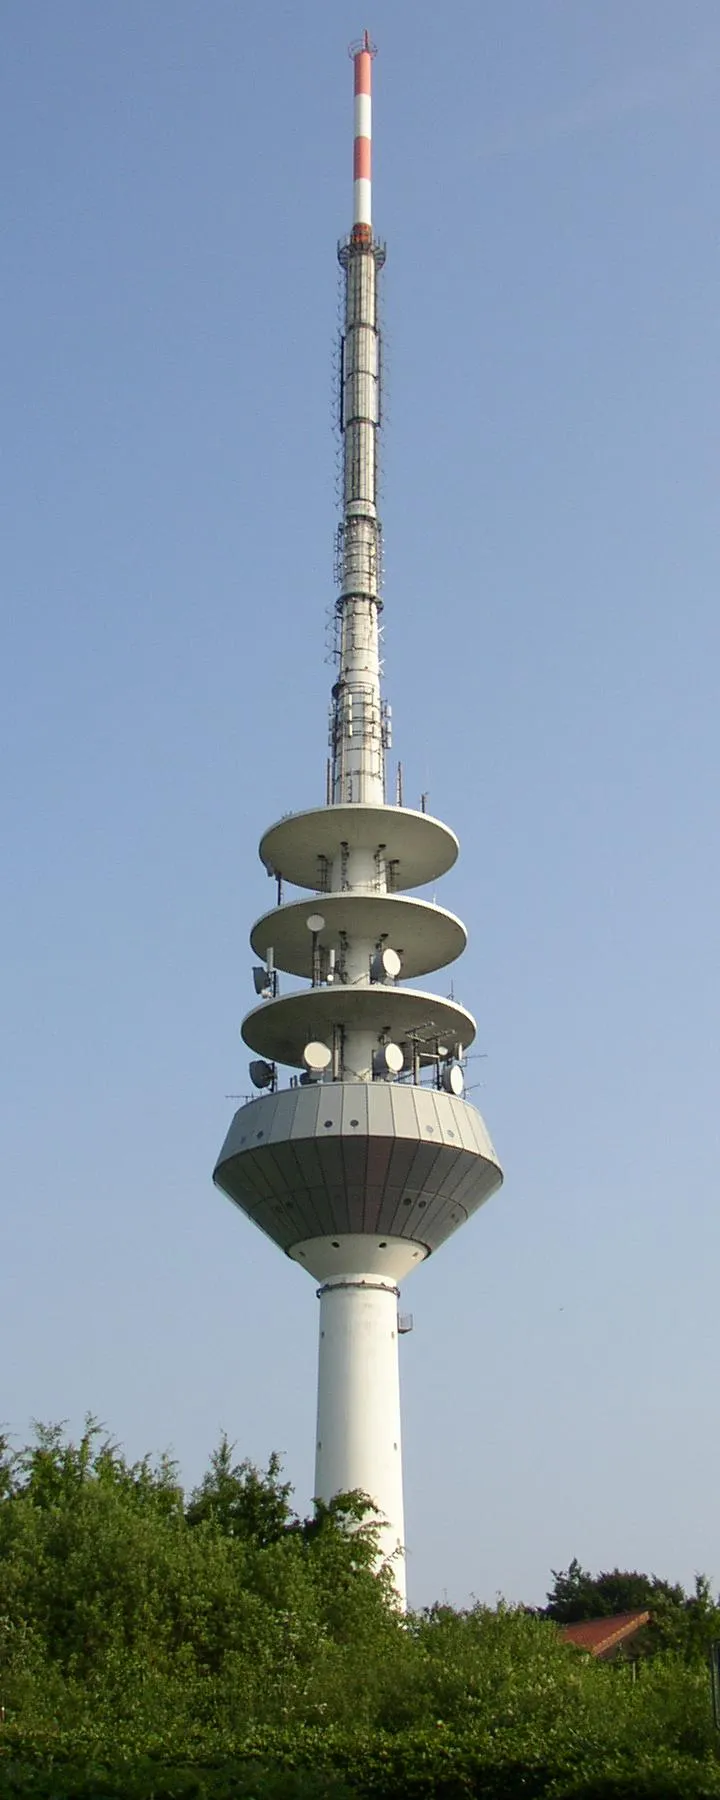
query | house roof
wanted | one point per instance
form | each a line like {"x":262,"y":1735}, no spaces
{"x":598,"y":1636}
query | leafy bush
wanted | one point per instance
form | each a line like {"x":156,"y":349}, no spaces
{"x":158,"y":1648}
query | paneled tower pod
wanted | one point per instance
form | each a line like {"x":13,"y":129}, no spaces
{"x":368,"y":1161}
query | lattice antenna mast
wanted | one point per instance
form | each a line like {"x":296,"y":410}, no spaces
{"x":359,"y":723}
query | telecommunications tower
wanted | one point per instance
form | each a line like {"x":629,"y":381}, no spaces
{"x":363,"y":1163}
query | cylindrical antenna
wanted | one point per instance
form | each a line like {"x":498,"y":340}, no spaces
{"x":362,"y":55}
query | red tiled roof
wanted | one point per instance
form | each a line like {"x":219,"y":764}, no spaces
{"x":600,"y":1635}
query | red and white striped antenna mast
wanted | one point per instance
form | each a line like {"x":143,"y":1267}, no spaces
{"x":362,"y":55}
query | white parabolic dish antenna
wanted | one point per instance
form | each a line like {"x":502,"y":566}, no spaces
{"x":389,"y":1060}
{"x":454,"y":1080}
{"x":317,"y":1057}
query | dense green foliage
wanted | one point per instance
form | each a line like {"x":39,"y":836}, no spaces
{"x":218,"y":1646}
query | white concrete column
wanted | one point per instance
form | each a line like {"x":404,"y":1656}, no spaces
{"x":358,"y":1441}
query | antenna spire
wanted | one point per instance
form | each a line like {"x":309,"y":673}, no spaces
{"x":360,"y":721}
{"x":362,"y":55}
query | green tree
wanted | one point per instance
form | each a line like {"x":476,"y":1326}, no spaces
{"x":241,"y":1500}
{"x":117,"y":1599}
{"x":576,"y":1594}
{"x":684,"y":1623}
{"x":136,"y":1623}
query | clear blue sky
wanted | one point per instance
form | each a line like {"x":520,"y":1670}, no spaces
{"x":175,"y":179}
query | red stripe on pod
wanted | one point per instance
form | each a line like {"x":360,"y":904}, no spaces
{"x":363,"y":72}
{"x":362,"y":159}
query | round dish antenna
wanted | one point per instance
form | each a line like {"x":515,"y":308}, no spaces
{"x":262,"y":1074}
{"x":317,"y":1058}
{"x":388,"y":1060}
{"x":453,"y":1080}
{"x":385,"y":965}
{"x":315,"y":923}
